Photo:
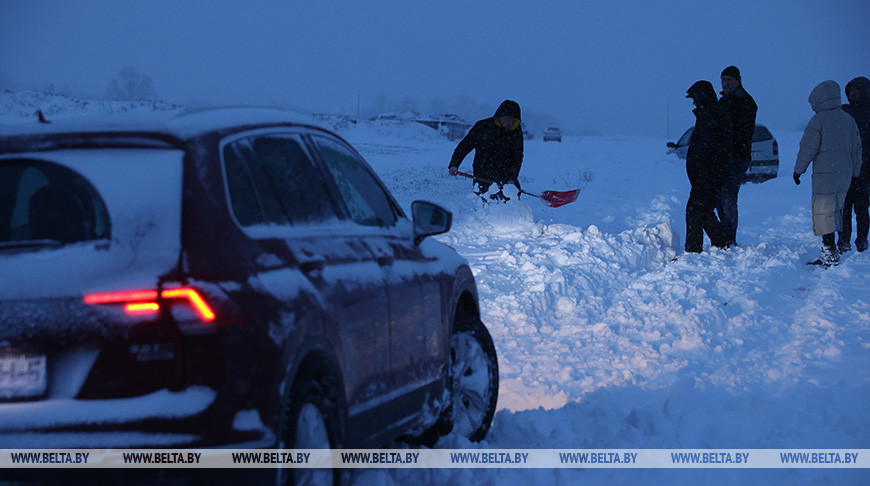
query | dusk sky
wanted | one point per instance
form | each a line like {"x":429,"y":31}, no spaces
{"x":615,"y":67}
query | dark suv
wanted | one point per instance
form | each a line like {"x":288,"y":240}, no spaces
{"x":225,"y":277}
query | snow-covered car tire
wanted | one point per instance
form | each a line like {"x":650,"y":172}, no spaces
{"x":312,"y":420}
{"x":473,"y":379}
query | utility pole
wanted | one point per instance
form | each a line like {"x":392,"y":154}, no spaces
{"x":668,"y":116}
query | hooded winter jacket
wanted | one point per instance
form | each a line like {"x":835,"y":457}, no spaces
{"x":831,"y":142}
{"x":498,"y":150}
{"x":709,"y":154}
{"x":860,"y":111}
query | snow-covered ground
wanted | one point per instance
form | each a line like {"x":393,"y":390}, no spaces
{"x":605,"y":340}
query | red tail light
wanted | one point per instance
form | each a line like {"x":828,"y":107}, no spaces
{"x":775,"y":148}
{"x":139,"y":302}
{"x":121,"y":297}
{"x":194,"y":299}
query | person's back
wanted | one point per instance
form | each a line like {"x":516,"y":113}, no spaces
{"x":831,"y":142}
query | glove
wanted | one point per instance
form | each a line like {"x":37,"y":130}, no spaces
{"x":797,"y":178}
{"x":453,"y":170}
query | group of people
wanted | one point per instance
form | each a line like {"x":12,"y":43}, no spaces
{"x":719,"y":154}
{"x":833,"y":142}
{"x":720,"y":150}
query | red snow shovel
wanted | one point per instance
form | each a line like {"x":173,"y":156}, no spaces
{"x":554,"y":199}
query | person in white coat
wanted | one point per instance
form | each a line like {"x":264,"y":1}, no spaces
{"x":830,"y":142}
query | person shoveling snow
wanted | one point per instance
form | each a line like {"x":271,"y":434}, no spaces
{"x":498,"y":150}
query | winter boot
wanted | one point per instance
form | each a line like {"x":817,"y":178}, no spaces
{"x":860,"y":245}
{"x":844,"y":246}
{"x":830,"y":256}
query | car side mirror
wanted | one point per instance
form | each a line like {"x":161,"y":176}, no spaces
{"x":672,"y":145}
{"x":429,"y":219}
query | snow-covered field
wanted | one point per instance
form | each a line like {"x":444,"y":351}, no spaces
{"x":606,"y":341}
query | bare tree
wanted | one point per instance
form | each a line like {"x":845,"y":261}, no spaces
{"x":130,"y":84}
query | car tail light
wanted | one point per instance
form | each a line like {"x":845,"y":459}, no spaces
{"x":203,"y":310}
{"x":145,"y":302}
{"x":775,"y":148}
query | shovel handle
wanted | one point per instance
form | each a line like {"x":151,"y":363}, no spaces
{"x":554,"y":199}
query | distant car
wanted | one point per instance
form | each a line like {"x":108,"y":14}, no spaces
{"x":552,"y":134}
{"x":765,"y":153}
{"x":226,"y":277}
{"x":453,"y":127}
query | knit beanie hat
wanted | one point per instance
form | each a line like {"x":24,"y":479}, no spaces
{"x":731,"y":71}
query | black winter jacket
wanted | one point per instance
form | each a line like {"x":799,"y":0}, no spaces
{"x":742,"y":109}
{"x":498,"y":152}
{"x":708,"y":158}
{"x":861,"y":113}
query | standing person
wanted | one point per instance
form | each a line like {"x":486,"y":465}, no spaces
{"x":498,"y":146}
{"x":707,"y":162}
{"x":858,"y":196}
{"x":742,"y":109}
{"x":832,"y":144}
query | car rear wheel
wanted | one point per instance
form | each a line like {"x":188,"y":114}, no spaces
{"x":312,"y":420}
{"x":474,"y":379}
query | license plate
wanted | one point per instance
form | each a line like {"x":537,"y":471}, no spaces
{"x":22,"y":374}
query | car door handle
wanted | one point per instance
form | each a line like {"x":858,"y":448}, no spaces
{"x":312,"y":265}
{"x":386,"y":261}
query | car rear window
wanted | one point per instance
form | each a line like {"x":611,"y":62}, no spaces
{"x":761,"y":134}
{"x":44,"y":204}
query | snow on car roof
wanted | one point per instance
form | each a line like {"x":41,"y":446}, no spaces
{"x":182,"y":124}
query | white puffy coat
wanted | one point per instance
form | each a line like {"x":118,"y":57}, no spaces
{"x":831,"y":142}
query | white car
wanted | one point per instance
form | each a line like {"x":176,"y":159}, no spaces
{"x":765,"y":153}
{"x":553,"y":133}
